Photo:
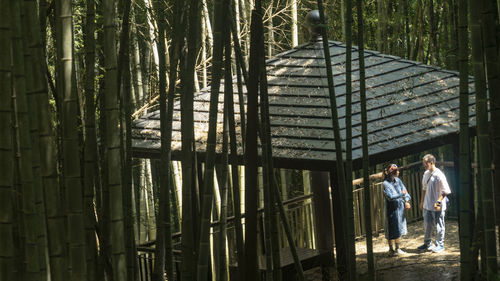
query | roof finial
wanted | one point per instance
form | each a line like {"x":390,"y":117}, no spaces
{"x":314,"y":24}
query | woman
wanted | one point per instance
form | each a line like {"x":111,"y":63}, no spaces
{"x":396,"y":201}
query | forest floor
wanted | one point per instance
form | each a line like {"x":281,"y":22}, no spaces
{"x":415,"y":265}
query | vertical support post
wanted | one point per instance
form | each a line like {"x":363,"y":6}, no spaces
{"x":323,"y":219}
{"x":322,"y":211}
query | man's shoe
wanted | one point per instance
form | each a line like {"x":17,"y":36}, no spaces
{"x":438,"y":249}
{"x":425,"y":247}
{"x":400,"y":252}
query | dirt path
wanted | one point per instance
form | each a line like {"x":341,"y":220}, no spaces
{"x":413,"y":266}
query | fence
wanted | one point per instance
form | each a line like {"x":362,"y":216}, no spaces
{"x":300,"y":214}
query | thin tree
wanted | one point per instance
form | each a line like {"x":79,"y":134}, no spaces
{"x":90,"y":143}
{"x":364,"y":141}
{"x":489,"y":18}
{"x":233,"y":158}
{"x":348,"y":118}
{"x":466,"y":192}
{"x":240,"y":70}
{"x":24,"y":153}
{"x":223,"y":177}
{"x":483,"y":141}
{"x":6,"y":148}
{"x":251,"y":184}
{"x":163,"y":203}
{"x":124,"y":89}
{"x":38,"y":99}
{"x":340,"y":184}
{"x":70,"y":141}
{"x":270,"y":185}
{"x":188,"y":266}
{"x":164,"y":247}
{"x":207,"y":197}
{"x":114,"y":161}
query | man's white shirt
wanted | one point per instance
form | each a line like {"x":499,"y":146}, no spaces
{"x":434,"y":183}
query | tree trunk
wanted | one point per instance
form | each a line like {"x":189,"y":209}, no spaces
{"x":90,"y":142}
{"x":295,"y":32}
{"x":489,"y":25}
{"x":188,"y":208}
{"x":7,"y":263}
{"x":235,"y":175}
{"x":483,"y":141}
{"x":70,"y":142}
{"x":251,"y":170}
{"x":114,"y":161}
{"x":208,"y":180}
{"x":223,"y":177}
{"x":466,"y":192}
{"x":341,"y":183}
{"x":27,"y":147}
{"x":125,"y":95}
{"x":38,"y":97}
{"x":364,"y":137}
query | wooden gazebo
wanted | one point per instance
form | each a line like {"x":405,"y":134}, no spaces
{"x":411,"y":107}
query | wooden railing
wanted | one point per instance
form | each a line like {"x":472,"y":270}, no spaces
{"x":300,"y":215}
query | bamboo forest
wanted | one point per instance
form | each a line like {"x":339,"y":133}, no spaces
{"x":252,"y":140}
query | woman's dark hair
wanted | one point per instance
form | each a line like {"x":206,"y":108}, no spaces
{"x":389,"y":170}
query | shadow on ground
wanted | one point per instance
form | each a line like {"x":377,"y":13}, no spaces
{"x":412,"y":266}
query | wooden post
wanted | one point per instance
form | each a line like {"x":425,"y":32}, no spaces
{"x":323,"y":218}
{"x":340,"y":225}
{"x":322,"y":211}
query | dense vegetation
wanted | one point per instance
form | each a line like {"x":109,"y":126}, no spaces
{"x":74,"y":75}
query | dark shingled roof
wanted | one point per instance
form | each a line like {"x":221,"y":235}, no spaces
{"x":411,"y":107}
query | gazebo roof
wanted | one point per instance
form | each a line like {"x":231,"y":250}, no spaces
{"x":411,"y":107}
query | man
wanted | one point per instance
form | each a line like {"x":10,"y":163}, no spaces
{"x":435,"y":188}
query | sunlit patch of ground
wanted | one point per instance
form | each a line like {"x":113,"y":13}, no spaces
{"x":413,"y":266}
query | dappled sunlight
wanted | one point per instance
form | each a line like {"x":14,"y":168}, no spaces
{"x":415,"y":265}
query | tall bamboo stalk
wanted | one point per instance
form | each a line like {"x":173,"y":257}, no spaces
{"x":295,"y":33}
{"x":348,"y":119}
{"x":163,"y":203}
{"x":125,"y":95}
{"x":271,"y":190}
{"x":90,"y":144}
{"x":493,"y":71}
{"x":364,"y":141}
{"x":233,"y":158}
{"x":114,"y":161}
{"x":466,"y":193}
{"x":240,"y":66}
{"x":70,"y":141}
{"x":486,"y":195}
{"x":188,"y":241}
{"x":207,"y":197}
{"x":6,"y":148}
{"x":164,"y":226}
{"x":38,"y":97}
{"x":223,"y":178}
{"x":251,"y":185}
{"x":24,"y":152}
{"x":341,"y":184}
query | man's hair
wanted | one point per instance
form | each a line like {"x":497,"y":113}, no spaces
{"x":429,"y":158}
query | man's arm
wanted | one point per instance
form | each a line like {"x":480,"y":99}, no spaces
{"x":445,"y":191}
{"x":437,"y":205}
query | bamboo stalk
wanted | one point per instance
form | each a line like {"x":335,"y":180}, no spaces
{"x":7,"y":248}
